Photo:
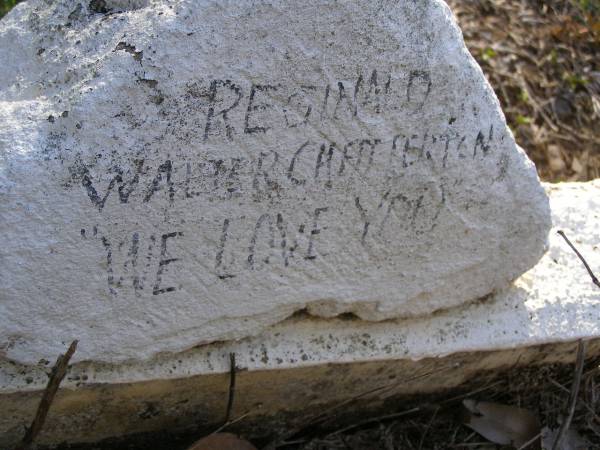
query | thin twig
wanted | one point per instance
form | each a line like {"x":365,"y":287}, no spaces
{"x":232,"y":370}
{"x":231,"y":422}
{"x":564,"y":389}
{"x":530,"y":441}
{"x":558,"y":385}
{"x":227,"y":422}
{"x":586,"y":265}
{"x":428,"y":427}
{"x":471,"y":393}
{"x":380,"y":390}
{"x":326,"y":414}
{"x":375,"y":420}
{"x":56,"y":376}
{"x":471,"y":444}
{"x":573,"y":395}
{"x":580,"y":357}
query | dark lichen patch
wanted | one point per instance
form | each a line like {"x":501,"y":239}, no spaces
{"x":148,"y":82}
{"x":158,"y":100}
{"x":99,"y":6}
{"x":150,"y":410}
{"x":158,"y":97}
{"x":76,"y":13}
{"x":137,"y":55}
{"x":264,"y":354}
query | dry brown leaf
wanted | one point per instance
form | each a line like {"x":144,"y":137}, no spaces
{"x":502,"y":424}
{"x":555,"y":158}
{"x":576,"y":165}
{"x":222,"y":441}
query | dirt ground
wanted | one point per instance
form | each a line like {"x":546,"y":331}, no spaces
{"x":543,"y":60}
{"x":438,"y":424}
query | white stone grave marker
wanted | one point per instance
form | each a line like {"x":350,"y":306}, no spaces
{"x":176,"y":172}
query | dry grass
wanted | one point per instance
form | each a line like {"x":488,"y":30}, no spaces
{"x":543,"y":60}
{"x":544,"y":391}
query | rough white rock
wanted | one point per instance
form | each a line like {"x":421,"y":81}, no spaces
{"x":309,"y":364}
{"x":180,"y":172}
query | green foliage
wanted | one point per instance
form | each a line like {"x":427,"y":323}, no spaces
{"x":523,"y":96}
{"x":6,"y":6}
{"x":553,"y":56}
{"x":488,"y":53}
{"x":523,"y":120}
{"x":575,"y":81}
{"x":588,"y":6}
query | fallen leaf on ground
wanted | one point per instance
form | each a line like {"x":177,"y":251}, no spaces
{"x":222,"y":441}
{"x":502,"y":424}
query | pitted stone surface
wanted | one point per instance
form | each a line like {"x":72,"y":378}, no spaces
{"x":176,"y":173}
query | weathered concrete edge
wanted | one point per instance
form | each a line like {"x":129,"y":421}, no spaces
{"x":553,"y":302}
{"x":269,"y":401}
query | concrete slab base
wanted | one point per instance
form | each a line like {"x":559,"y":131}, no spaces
{"x":304,"y":365}
{"x":271,"y":401}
